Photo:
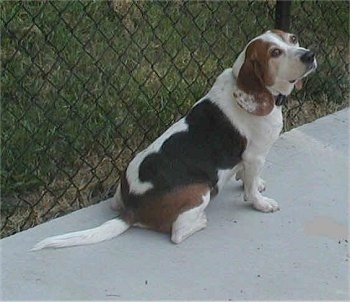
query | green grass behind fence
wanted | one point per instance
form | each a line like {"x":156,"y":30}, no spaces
{"x":77,"y":77}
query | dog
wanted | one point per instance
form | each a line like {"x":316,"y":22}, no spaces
{"x":227,"y":133}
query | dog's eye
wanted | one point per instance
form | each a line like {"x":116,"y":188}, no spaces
{"x":293,"y":39}
{"x":276,"y":52}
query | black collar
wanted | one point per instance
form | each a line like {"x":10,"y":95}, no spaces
{"x":280,"y":99}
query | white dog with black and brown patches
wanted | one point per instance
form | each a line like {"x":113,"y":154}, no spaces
{"x":228,"y":132}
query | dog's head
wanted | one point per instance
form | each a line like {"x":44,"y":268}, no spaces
{"x":271,"y":64}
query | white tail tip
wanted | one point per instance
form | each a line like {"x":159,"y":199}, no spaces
{"x":106,"y":231}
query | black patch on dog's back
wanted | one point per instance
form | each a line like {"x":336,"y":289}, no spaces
{"x":195,"y":156}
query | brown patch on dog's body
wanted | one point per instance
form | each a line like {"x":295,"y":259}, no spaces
{"x":255,"y":75}
{"x":158,"y":211}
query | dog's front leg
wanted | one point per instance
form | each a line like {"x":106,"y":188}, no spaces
{"x":261,"y":182}
{"x":252,"y":168}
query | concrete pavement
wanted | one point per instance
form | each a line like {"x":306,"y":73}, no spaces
{"x":298,"y":253}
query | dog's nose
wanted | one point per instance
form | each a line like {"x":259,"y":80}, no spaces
{"x":308,"y":57}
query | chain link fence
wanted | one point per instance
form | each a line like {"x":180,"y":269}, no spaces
{"x":86,"y":84}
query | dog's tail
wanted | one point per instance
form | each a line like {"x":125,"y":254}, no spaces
{"x":105,"y":231}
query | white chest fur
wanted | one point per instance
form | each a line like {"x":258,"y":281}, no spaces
{"x":260,"y":131}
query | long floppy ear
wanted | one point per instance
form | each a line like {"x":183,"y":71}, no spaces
{"x":253,"y":78}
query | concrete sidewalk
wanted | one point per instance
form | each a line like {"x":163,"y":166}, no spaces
{"x":300,"y":252}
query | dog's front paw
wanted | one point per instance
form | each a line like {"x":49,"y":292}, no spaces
{"x":266,"y":205}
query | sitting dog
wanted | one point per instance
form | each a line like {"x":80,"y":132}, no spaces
{"x":228,"y":132}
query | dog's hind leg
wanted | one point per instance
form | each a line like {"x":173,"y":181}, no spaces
{"x":191,"y":221}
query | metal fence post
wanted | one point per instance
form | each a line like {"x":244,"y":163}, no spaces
{"x":282,"y":14}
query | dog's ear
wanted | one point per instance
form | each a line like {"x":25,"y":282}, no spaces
{"x":253,"y":77}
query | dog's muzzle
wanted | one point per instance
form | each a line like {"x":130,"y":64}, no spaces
{"x":308,"y":58}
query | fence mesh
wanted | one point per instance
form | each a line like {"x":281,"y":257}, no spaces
{"x":86,"y":84}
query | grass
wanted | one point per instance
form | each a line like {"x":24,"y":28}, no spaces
{"x":86,"y":84}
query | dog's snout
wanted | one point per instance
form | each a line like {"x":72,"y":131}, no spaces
{"x":308,"y":57}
